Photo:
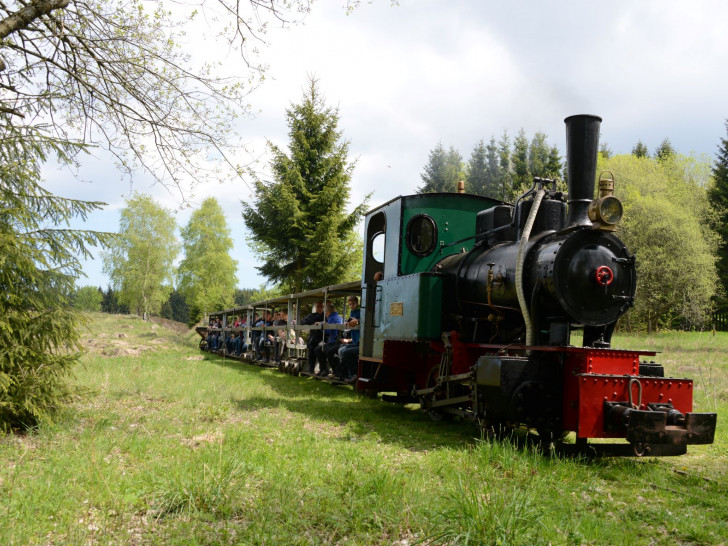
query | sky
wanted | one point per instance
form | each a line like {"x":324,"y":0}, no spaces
{"x":408,"y":76}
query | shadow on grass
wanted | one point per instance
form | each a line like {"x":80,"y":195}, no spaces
{"x":405,"y":426}
{"x":393,"y":423}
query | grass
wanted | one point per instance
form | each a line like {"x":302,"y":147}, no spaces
{"x":167,"y":446}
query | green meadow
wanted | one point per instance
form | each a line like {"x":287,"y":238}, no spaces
{"x":166,"y":446}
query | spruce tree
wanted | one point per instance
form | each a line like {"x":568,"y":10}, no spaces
{"x":664,"y":150}
{"x":443,"y":171}
{"x":477,"y":180}
{"x":39,"y":263}
{"x":176,"y":308}
{"x":640,"y":150}
{"x":504,"y":162}
{"x":298,"y":222}
{"x":718,"y":196}
{"x":494,"y":169}
{"x":521,"y":175}
{"x":605,"y":151}
{"x":433,"y":176}
{"x":538,"y":155}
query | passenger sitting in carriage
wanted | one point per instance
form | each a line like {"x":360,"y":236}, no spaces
{"x":213,"y":336}
{"x":239,"y":346}
{"x":348,"y":353}
{"x":315,"y":336}
{"x":331,"y":340}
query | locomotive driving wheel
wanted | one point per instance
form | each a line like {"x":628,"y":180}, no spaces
{"x":534,"y":405}
{"x":428,"y":398}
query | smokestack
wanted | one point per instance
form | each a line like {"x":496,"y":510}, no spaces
{"x":582,"y":146}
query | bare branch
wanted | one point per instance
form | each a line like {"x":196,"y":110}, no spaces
{"x":109,"y":73}
{"x":26,"y":15}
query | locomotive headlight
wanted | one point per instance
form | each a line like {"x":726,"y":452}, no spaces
{"x":608,"y":210}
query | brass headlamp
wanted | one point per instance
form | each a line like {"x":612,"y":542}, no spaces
{"x":606,"y":211}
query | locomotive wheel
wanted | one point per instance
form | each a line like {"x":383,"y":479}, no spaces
{"x":549,"y":436}
{"x":427,"y":399}
{"x":533,"y":405}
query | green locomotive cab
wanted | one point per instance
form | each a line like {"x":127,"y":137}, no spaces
{"x":401,"y":288}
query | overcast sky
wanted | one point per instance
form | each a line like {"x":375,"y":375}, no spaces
{"x":408,"y":76}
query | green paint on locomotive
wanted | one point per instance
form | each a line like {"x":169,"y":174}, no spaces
{"x":419,"y":231}
{"x":432,"y":222}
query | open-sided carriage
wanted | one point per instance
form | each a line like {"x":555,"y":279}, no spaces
{"x":289,"y":352}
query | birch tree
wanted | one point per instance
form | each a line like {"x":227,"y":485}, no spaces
{"x":140,"y":261}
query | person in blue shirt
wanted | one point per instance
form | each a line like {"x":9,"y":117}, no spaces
{"x":348,"y":352}
{"x":266,"y":321}
{"x":331,"y":339}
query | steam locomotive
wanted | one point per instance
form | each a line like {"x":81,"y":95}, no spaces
{"x":479,"y":300}
{"x":469,"y":306}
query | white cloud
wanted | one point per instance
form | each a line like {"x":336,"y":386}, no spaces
{"x":407,"y":77}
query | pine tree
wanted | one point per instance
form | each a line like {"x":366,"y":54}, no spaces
{"x":494,"y":170}
{"x":38,"y":268}
{"x":664,"y":150}
{"x":718,"y":196}
{"x":504,"y":161}
{"x":206,"y":275}
{"x":110,"y":302}
{"x":298,"y":223}
{"x":605,"y":151}
{"x":640,"y":150}
{"x":477,"y":180}
{"x":521,"y":178}
{"x":176,"y":308}
{"x":443,"y":171}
